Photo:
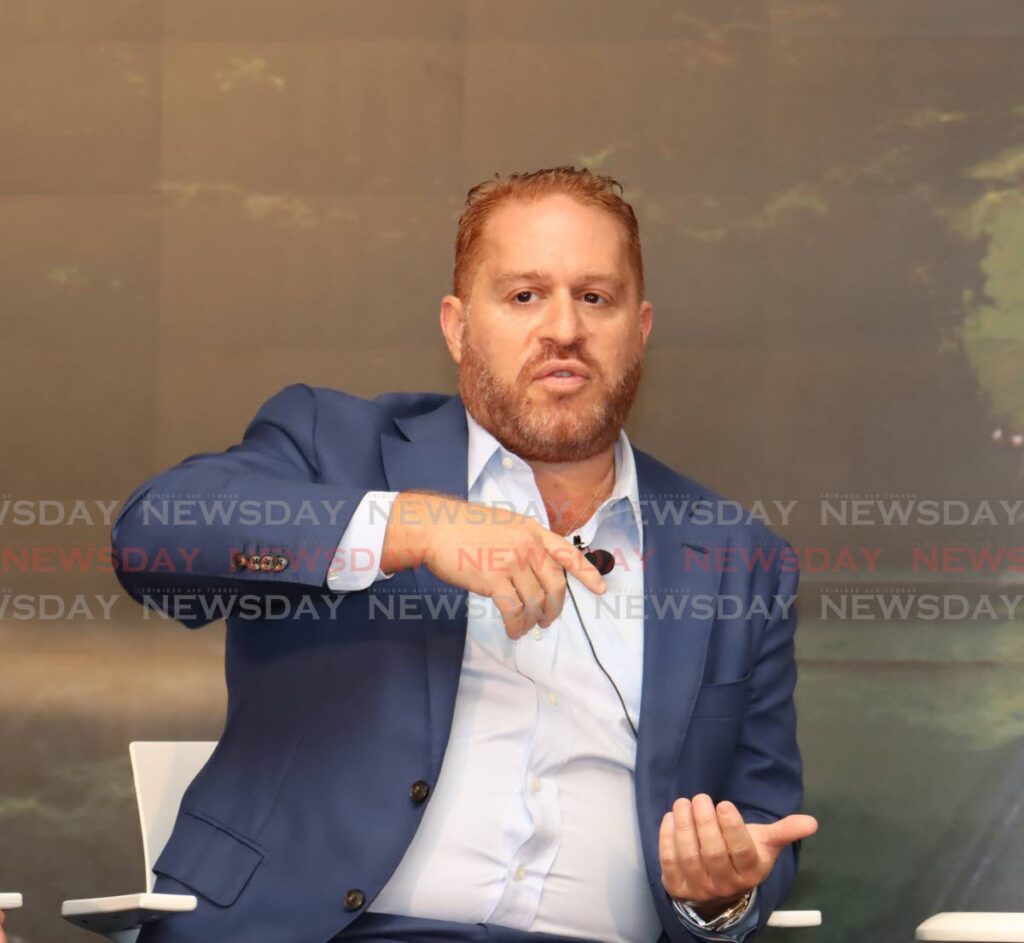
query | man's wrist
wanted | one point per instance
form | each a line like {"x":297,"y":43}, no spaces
{"x":715,"y":915}
{"x":709,"y":909}
{"x":405,"y":535}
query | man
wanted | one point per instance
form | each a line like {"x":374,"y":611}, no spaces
{"x":423,"y":740}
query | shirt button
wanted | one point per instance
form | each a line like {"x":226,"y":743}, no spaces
{"x":535,"y":785}
{"x":520,"y":873}
{"x":507,"y":462}
{"x":552,"y":697}
{"x":536,"y":633}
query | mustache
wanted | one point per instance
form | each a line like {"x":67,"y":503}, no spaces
{"x":560,"y":353}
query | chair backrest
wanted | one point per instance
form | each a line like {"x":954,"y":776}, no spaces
{"x":162,"y":772}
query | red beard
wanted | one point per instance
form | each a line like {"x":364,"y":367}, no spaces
{"x":568,"y":428}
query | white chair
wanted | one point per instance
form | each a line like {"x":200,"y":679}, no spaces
{"x":10,"y":901}
{"x":795,"y":918}
{"x":162,"y":772}
{"x":973,"y":928}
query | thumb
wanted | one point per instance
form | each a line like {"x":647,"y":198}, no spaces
{"x":788,"y":830}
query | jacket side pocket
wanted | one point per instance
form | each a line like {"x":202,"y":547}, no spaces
{"x":210,"y":859}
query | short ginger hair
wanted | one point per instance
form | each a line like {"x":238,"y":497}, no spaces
{"x":582,"y":185}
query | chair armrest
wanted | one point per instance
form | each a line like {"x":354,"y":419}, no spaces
{"x":10,"y":901}
{"x":795,"y":918}
{"x":128,"y":912}
{"x":974,"y":928}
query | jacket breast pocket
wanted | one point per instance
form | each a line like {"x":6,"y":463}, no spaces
{"x":210,"y":859}
{"x":728,"y":699}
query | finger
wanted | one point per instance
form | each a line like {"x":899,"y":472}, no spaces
{"x":717,"y":863}
{"x":671,"y":875}
{"x":572,"y":560}
{"x":531,"y":594}
{"x":788,"y":830}
{"x":738,"y":841}
{"x":508,"y":603}
{"x":687,"y":846}
{"x":552,"y":581}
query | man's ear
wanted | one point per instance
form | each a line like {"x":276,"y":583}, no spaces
{"x":452,"y":318}
{"x":646,"y":319}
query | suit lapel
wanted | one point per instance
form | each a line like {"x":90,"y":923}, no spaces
{"x":430,"y":453}
{"x":680,"y":569}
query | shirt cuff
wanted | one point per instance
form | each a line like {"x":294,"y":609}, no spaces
{"x":356,"y":561}
{"x":732,"y":932}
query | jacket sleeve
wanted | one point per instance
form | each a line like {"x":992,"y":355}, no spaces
{"x":766,"y":782}
{"x":254,"y":518}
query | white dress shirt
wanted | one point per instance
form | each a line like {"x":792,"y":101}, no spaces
{"x":532,"y":822}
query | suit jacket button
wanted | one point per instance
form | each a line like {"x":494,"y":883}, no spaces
{"x":266,"y":561}
{"x":354,"y":899}
{"x":239,"y":561}
{"x":280,"y":563}
{"x":419,"y":791}
{"x":253,"y":562}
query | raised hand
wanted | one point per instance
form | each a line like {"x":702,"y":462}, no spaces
{"x":491,"y":551}
{"x":710,"y":855}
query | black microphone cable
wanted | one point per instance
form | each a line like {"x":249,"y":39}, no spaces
{"x":605,"y":563}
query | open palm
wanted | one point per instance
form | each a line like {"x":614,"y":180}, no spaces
{"x":708,"y":853}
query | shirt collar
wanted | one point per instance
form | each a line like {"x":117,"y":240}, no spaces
{"x":483,"y":446}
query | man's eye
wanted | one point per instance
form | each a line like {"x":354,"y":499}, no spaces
{"x":592,"y":297}
{"x":519,"y":295}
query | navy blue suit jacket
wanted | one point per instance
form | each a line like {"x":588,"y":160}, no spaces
{"x":305,"y":807}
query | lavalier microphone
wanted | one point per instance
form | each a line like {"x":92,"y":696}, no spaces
{"x":601,"y":560}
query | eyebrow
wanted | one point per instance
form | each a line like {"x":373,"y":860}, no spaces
{"x":533,"y":275}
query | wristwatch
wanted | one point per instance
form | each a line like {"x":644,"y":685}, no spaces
{"x":719,"y":920}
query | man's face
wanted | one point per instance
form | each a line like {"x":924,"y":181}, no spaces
{"x":551,"y":347}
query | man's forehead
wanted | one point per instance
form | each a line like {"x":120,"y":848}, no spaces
{"x":557,"y":217}
{"x":506,"y":257}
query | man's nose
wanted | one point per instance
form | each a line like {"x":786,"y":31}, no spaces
{"x":564,"y":321}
